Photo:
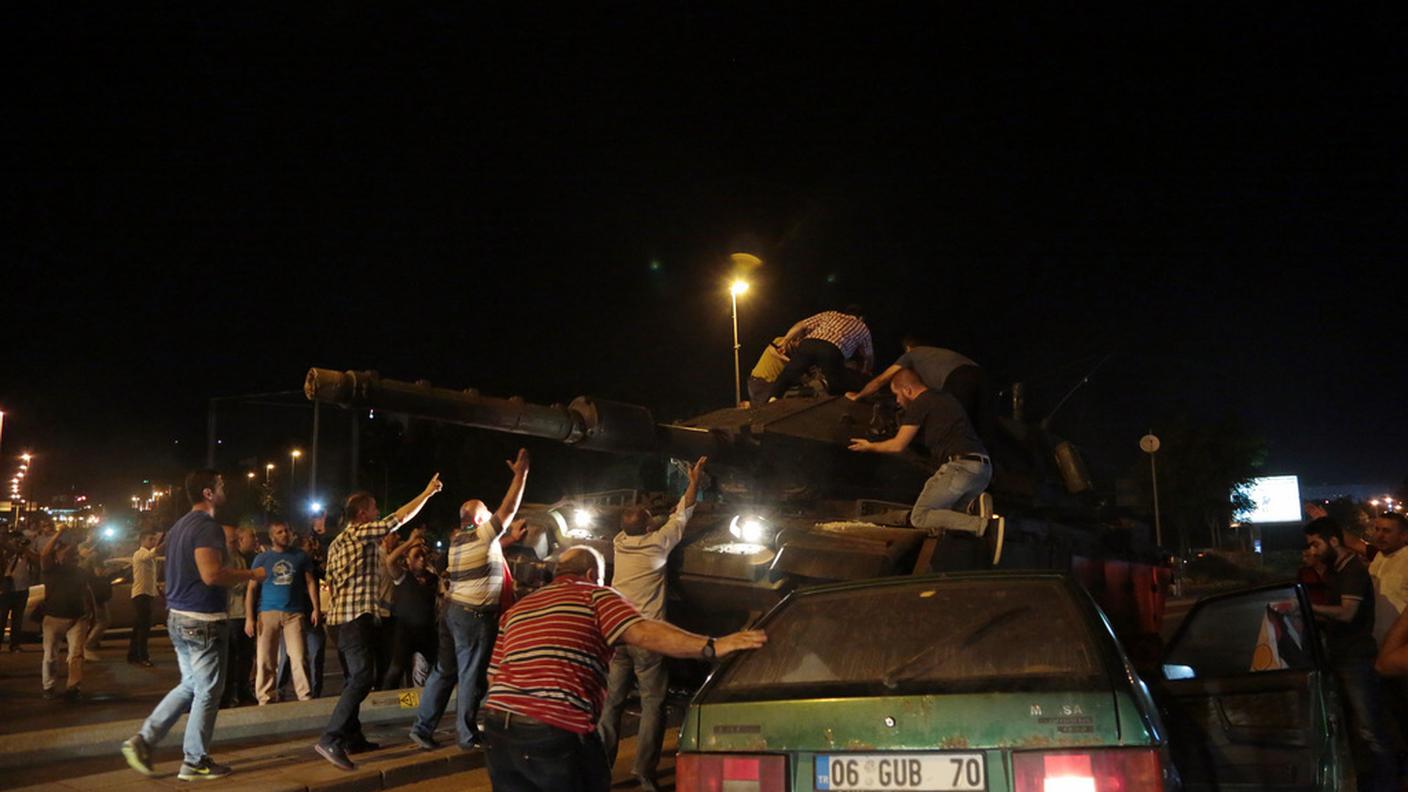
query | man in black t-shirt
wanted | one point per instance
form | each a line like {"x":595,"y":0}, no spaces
{"x":939,"y":422}
{"x":68,"y":613}
{"x":1348,"y":620}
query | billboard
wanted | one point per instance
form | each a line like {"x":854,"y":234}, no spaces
{"x":1275,"y":499}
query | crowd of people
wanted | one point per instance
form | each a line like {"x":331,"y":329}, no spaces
{"x":1359,"y":592}
{"x":545,"y":670}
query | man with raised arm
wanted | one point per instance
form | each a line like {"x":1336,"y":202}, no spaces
{"x":470,"y":622}
{"x":641,"y":550}
{"x":354,"y":572}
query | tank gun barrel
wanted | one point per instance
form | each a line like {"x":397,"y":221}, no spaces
{"x":592,"y":424}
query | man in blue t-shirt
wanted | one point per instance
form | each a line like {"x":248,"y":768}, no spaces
{"x":289,"y":590}
{"x":196,"y":601}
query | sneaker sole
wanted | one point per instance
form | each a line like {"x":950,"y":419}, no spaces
{"x":201,"y":776}
{"x":997,"y":541}
{"x":135,"y":762}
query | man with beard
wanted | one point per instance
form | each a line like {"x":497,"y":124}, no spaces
{"x":1348,"y":620}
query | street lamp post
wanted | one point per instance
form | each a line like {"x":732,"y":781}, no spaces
{"x":268,"y":471}
{"x":738,"y":287}
{"x":293,"y":456}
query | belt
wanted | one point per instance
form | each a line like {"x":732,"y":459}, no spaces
{"x":508,"y":719}
{"x":970,"y":458}
{"x":478,"y":610}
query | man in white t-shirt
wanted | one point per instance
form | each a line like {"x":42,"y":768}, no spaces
{"x":1389,"y":569}
{"x":150,"y":544}
{"x":641,"y":551}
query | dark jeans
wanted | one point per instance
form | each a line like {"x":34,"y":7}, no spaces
{"x":356,"y":644}
{"x":630,"y":666}
{"x":385,"y":632}
{"x":12,"y":611}
{"x":1363,"y":698}
{"x":238,"y":685}
{"x":466,"y":643}
{"x":141,"y":628}
{"x":527,"y":756}
{"x":407,"y":641}
{"x":812,"y":352}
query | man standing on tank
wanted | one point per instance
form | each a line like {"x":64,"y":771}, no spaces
{"x":197,"y":579}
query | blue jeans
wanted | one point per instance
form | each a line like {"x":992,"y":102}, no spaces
{"x":526,"y":756}
{"x":201,"y":651}
{"x":466,"y":642}
{"x":954,"y":484}
{"x":646,"y":669}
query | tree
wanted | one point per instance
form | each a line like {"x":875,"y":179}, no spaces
{"x":1201,"y":467}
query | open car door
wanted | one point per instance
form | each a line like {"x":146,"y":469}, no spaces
{"x":1247,"y":699}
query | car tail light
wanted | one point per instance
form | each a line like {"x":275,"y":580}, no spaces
{"x":1115,"y":770}
{"x":709,"y":772}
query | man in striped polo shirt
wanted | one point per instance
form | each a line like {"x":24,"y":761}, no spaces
{"x":470,"y":620}
{"x":547,"y":679}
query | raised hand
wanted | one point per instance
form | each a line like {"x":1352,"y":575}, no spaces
{"x":698,"y":468}
{"x":435,"y":485}
{"x":519,"y":466}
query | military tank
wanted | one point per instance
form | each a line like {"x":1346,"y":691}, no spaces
{"x":789,"y":505}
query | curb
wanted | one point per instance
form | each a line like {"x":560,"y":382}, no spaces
{"x":286,"y":718}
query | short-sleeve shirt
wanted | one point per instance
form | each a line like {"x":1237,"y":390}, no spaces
{"x":944,"y":428}
{"x":933,"y":364}
{"x":475,"y":565}
{"x":65,"y":590}
{"x":1353,"y":639}
{"x":285,"y":586}
{"x":771,"y":362}
{"x":1390,"y":574}
{"x":554,"y":649}
{"x":185,"y":591}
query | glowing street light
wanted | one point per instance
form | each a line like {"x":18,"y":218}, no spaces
{"x":293,"y":456}
{"x":738,"y":287}
{"x":268,"y":471}
{"x":250,"y":475}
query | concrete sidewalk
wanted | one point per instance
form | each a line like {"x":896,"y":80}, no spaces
{"x":274,"y":720}
{"x":289,"y":766}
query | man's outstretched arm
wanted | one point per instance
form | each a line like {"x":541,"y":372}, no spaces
{"x":410,"y":510}
{"x":509,"y":508}
{"x":667,"y":639}
{"x":876,"y":384}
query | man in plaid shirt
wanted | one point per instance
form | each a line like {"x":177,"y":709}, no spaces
{"x":826,"y":340}
{"x":354,"y":571}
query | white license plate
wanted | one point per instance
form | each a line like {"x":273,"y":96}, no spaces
{"x":920,"y":772}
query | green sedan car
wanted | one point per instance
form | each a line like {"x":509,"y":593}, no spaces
{"x":949,"y":683}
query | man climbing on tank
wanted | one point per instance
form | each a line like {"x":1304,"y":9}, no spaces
{"x":939,"y":369}
{"x":939,"y":422}
{"x":826,"y":340}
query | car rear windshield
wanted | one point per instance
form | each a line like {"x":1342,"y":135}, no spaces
{"x":938,"y":636}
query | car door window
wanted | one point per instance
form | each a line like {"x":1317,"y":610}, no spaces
{"x":1254,"y":632}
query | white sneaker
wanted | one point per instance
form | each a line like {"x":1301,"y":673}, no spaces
{"x":993,"y":537}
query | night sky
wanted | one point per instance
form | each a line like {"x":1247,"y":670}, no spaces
{"x":207,"y":201}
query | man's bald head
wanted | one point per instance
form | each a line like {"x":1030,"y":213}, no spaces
{"x":635,"y":520}
{"x":474,"y":512}
{"x":583,"y":561}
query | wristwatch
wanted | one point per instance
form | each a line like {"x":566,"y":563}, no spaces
{"x":708,"y":652}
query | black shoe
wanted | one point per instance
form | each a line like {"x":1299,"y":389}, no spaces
{"x":204,"y":770}
{"x":425,"y":743}
{"x":335,"y":755}
{"x":138,"y":755}
{"x":72,"y":694}
{"x":362,"y":745}
{"x":49,"y":694}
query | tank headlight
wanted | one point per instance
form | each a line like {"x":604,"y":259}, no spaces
{"x":749,"y":528}
{"x":583,"y":518}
